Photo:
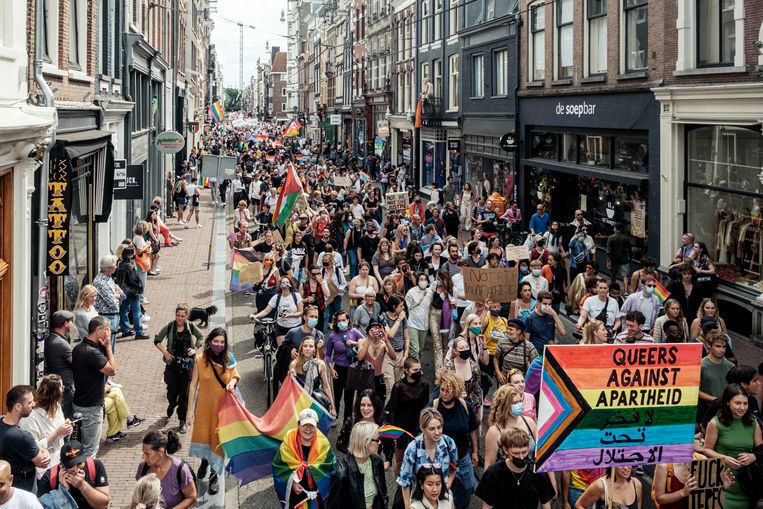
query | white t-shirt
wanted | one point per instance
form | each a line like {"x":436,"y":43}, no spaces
{"x":190,"y":190}
{"x":21,"y":500}
{"x":537,"y":284}
{"x":139,"y":242}
{"x":594,"y":306}
{"x":286,"y":305}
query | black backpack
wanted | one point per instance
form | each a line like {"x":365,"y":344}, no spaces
{"x":144,"y":471}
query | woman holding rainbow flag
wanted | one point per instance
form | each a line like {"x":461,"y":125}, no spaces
{"x":303,"y":465}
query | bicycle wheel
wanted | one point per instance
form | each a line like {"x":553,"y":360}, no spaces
{"x":268,"y":368}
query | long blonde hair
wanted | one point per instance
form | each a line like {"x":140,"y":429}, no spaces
{"x":147,"y":492}
{"x":589,"y":332}
{"x":501,"y":407}
{"x":85,"y":293}
{"x":299,"y":366}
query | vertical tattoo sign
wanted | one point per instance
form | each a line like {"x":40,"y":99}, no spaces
{"x":59,"y":208}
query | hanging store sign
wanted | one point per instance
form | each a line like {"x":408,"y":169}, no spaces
{"x":59,"y":215}
{"x":169,"y":142}
{"x":508,"y":142}
{"x":383,"y":129}
{"x":335,"y":119}
{"x":120,"y":173}
{"x":133,"y":189}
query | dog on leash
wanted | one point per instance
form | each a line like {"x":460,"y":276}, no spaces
{"x":202,"y":315}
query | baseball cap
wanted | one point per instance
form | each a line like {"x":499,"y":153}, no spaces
{"x":61,"y":317}
{"x":308,"y":416}
{"x":519,"y":324}
{"x":72,"y":453}
{"x":707,"y":321}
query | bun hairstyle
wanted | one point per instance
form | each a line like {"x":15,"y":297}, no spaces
{"x":167,"y":440}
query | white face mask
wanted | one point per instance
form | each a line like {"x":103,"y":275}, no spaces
{"x":423,"y":285}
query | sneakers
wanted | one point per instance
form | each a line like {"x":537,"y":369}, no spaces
{"x":135,"y":421}
{"x":199,"y":225}
{"x":186,"y":225}
{"x":201,"y":473}
{"x":142,"y":336}
{"x":214,"y":485}
{"x":116,"y":438}
{"x":145,"y":318}
{"x":486,"y":401}
{"x":113,"y":383}
{"x":127,"y":334}
{"x":183,"y":428}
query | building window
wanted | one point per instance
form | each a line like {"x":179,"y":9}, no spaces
{"x":564,"y":14}
{"x":438,"y":78}
{"x":478,"y":76}
{"x":723,"y":204}
{"x":636,"y":34}
{"x":453,"y":17}
{"x":454,"y":83}
{"x":437,"y":21}
{"x":537,"y":43}
{"x":283,"y":92}
{"x":74,"y":34}
{"x":716,"y":32}
{"x":597,"y":36}
{"x":283,"y":106}
{"x":500,"y":72}
{"x":426,"y":79}
{"x":424,"y":21}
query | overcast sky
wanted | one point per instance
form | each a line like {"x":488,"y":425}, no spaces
{"x":265,"y":16}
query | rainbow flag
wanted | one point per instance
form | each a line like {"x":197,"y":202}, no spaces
{"x":251,"y":443}
{"x":216,"y":109}
{"x":392,"y":432}
{"x":238,"y":260}
{"x":287,"y":197}
{"x":617,"y":405}
{"x":661,"y":292}
{"x":292,"y":129}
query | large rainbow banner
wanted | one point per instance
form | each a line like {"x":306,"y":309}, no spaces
{"x":617,"y":405}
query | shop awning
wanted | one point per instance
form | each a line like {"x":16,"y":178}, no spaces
{"x":95,"y":143}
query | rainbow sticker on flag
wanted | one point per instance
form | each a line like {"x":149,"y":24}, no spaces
{"x":617,"y":405}
{"x":250,"y":442}
{"x":216,"y":110}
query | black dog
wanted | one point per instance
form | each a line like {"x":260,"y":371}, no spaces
{"x":202,"y":315}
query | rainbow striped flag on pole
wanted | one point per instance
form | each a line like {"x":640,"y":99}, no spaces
{"x":287,"y":196}
{"x":250,"y":443}
{"x":292,"y":129}
{"x":661,"y":292}
{"x":216,"y":109}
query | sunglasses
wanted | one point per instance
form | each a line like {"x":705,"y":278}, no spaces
{"x":377,"y":440}
{"x":651,"y":286}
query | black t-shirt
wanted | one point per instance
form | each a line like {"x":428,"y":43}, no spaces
{"x":182,"y":343}
{"x":368,"y":245}
{"x":58,"y":354}
{"x":101,"y":480}
{"x":406,"y":402}
{"x":489,"y":226}
{"x":320,"y":246}
{"x":498,"y":488}
{"x":18,"y":448}
{"x":458,"y":422}
{"x":263,"y":248}
{"x":88,"y":359}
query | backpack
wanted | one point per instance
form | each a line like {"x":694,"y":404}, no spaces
{"x":436,"y":403}
{"x":278,"y":301}
{"x":144,"y":471}
{"x":668,"y":477}
{"x":179,"y":186}
{"x":89,"y":468}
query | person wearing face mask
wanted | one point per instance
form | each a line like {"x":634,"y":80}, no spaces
{"x":214,"y":374}
{"x":539,"y":251}
{"x":543,"y":322}
{"x":644,"y":301}
{"x":507,"y":412}
{"x":513,"y":351}
{"x":578,"y":252}
{"x":538,"y":283}
{"x":288,"y":306}
{"x":512,"y":483}
{"x":468,"y":370}
{"x":494,"y":328}
{"x":376,"y":348}
{"x":418,"y":300}
{"x":524,"y":269}
{"x":409,"y":396}
{"x":341,"y":350}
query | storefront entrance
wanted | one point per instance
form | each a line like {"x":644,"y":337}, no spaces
{"x":6,"y":282}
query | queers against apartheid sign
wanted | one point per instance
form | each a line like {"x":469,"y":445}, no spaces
{"x":617,"y":405}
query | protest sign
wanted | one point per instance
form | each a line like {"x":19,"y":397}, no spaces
{"x":342,"y":181}
{"x":498,"y":285}
{"x":709,"y":491}
{"x":396,"y":202}
{"x":250,"y":274}
{"x":517,"y":253}
{"x":617,"y":405}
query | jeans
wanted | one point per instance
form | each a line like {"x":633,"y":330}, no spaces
{"x":463,"y":484}
{"x":573,"y":495}
{"x":67,"y":405}
{"x":114,"y":322}
{"x":331,"y":308}
{"x":90,"y":428}
{"x":117,"y":411}
{"x":341,"y":389}
{"x":130,"y":305}
{"x":352,"y":256}
{"x":418,"y":340}
{"x":177,"y":390}
{"x":142,"y":275}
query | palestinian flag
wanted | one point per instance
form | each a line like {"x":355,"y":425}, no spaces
{"x":287,"y":197}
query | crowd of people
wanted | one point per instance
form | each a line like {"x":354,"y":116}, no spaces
{"x":359,"y":295}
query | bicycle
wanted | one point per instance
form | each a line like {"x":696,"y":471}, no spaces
{"x":264,"y":335}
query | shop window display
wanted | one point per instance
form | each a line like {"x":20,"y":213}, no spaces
{"x":629,"y":153}
{"x":724,"y":196}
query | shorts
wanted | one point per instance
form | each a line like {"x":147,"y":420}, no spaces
{"x":620,"y":271}
{"x":181,"y":201}
{"x":281,"y":331}
{"x":193,"y":205}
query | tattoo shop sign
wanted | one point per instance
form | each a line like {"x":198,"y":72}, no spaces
{"x":497,"y":285}
{"x":59,"y":215}
{"x":617,"y":405}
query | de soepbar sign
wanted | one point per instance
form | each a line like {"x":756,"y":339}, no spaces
{"x":617,"y":405}
{"x":169,"y":142}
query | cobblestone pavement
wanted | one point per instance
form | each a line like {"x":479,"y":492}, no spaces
{"x":184,"y":277}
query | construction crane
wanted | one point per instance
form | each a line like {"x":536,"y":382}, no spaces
{"x":241,"y":27}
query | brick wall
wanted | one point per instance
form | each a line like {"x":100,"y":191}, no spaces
{"x":66,"y":88}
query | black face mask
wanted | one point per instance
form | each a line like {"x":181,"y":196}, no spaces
{"x":519,"y":462}
{"x":465,"y":354}
{"x":416,"y":376}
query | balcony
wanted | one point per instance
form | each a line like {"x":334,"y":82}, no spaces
{"x":433,"y":107}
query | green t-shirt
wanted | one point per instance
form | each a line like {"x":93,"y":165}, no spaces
{"x":713,"y":376}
